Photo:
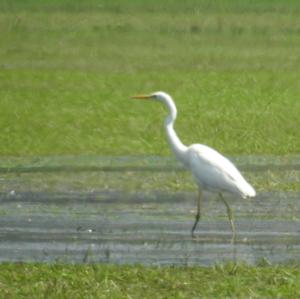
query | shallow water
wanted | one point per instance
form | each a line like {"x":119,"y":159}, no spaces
{"x":75,"y":210}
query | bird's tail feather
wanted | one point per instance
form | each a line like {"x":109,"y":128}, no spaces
{"x":247,"y":190}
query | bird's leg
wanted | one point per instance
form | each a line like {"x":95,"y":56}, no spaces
{"x":198,"y":215}
{"x":230,"y":217}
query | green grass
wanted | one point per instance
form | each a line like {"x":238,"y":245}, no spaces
{"x":109,"y":281}
{"x":67,"y":70}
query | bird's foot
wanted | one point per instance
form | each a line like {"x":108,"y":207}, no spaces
{"x":195,"y":237}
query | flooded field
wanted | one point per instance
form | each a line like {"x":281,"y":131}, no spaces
{"x":141,"y":210}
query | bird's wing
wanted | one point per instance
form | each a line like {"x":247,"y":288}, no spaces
{"x":214,"y":172}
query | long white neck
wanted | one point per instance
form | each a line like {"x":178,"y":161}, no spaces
{"x":178,"y":148}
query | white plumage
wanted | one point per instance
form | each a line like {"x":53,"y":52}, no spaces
{"x":211,"y":171}
{"x":214,"y":172}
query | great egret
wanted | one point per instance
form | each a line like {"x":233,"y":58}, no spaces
{"x":211,"y":171}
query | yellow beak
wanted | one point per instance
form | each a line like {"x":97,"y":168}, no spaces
{"x":142,"y":97}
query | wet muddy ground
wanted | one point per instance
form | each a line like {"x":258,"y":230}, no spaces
{"x":142,"y":211}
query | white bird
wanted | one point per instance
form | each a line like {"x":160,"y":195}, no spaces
{"x":211,"y":171}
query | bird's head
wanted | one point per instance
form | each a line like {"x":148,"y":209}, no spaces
{"x":157,"y":96}
{"x":162,"y":97}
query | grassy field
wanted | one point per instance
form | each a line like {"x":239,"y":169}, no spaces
{"x":67,"y":70}
{"x":109,"y":281}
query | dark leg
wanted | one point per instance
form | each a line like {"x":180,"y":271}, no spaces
{"x":230,"y":217}
{"x":198,"y":212}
